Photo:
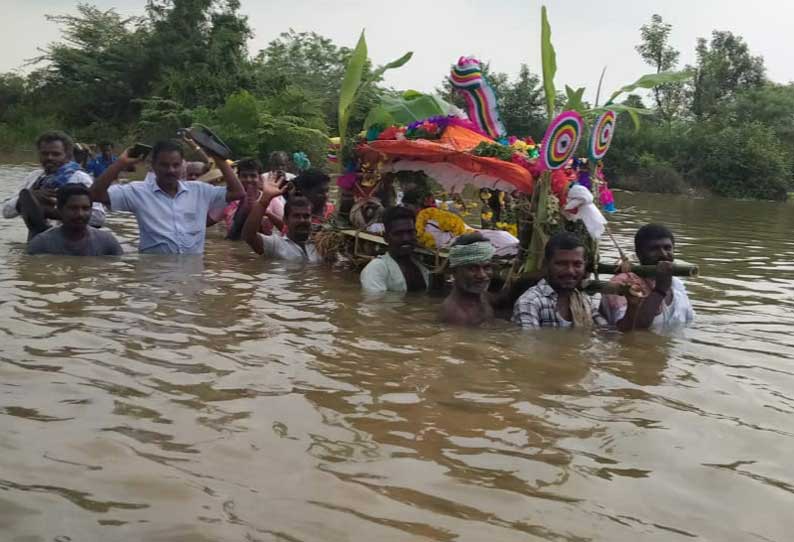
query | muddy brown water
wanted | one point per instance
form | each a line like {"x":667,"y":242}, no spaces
{"x":225,"y":398}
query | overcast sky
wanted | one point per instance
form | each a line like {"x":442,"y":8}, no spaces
{"x":587,"y":34}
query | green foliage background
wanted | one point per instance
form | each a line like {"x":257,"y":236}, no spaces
{"x":728,"y":130}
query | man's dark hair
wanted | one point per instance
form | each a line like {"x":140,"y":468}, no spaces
{"x":651,"y":232}
{"x":106,"y":145}
{"x":278,"y":160}
{"x":296,"y":202}
{"x":249,"y":164}
{"x":50,"y":137}
{"x":71,"y":189}
{"x":469,"y":239}
{"x":310,"y":179}
{"x":393,"y":214}
{"x":561,"y":241}
{"x":167,"y":145}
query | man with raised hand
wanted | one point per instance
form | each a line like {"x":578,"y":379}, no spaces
{"x":171,"y":212}
{"x":294,"y":246}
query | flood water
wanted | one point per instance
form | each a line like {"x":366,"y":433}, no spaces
{"x":229,"y":399}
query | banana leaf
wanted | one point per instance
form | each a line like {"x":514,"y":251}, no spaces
{"x":351,"y":83}
{"x":394,"y":64}
{"x":410,"y":106}
{"x":634,"y":112}
{"x":652,"y":80}
{"x":574,"y":101}
{"x":549,"y":60}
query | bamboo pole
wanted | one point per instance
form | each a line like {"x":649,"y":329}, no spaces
{"x":679,"y":269}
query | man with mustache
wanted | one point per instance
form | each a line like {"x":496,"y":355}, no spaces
{"x":397,"y":270}
{"x":662,"y":300}
{"x":295,"y":246}
{"x":171,"y":212}
{"x":36,"y":201}
{"x":470,"y":260}
{"x":556,"y":300}
{"x":74,"y":237}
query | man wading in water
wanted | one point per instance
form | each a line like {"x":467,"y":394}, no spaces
{"x":555,"y":301}
{"x":74,"y":237}
{"x":296,"y":245}
{"x":470,"y":261}
{"x":36,"y":201}
{"x":397,"y":270}
{"x":662,"y":300}
{"x":171,"y":212}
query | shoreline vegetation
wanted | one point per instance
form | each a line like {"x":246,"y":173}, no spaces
{"x":727,"y":131}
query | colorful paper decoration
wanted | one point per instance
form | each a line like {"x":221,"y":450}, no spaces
{"x":468,"y":79}
{"x":561,"y":139}
{"x":601,"y":137}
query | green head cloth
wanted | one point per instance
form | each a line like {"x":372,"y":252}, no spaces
{"x":475,"y":253}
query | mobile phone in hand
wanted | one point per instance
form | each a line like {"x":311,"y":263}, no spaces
{"x":139,"y":150}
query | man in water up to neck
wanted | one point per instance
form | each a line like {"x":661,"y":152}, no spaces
{"x":74,"y":237}
{"x":36,"y":200}
{"x":296,"y":246}
{"x":397,"y":270}
{"x":171,"y":212}
{"x":662,"y":300}
{"x":470,"y":260}
{"x":556,"y":300}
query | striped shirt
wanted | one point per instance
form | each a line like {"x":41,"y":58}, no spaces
{"x":537,"y":307}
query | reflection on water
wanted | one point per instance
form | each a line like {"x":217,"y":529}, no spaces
{"x":176,"y":399}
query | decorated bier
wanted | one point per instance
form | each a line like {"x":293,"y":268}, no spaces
{"x":538,"y":189}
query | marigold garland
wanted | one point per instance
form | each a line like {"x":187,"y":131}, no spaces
{"x":512,"y":229}
{"x":446,"y":221}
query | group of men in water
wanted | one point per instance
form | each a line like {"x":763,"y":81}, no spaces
{"x":274,"y":213}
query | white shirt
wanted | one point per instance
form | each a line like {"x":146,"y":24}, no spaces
{"x":169,"y":225}
{"x":383,"y":274}
{"x":97,"y":210}
{"x":281,"y":247}
{"x":679,"y":312}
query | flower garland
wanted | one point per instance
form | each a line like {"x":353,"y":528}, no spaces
{"x":512,"y":229}
{"x":445,"y":220}
{"x":429,"y":128}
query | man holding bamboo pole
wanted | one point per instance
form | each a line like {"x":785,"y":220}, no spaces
{"x":660,"y":301}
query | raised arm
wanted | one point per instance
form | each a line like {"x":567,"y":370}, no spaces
{"x":193,"y":145}
{"x":270,"y":190}
{"x":99,"y":190}
{"x":234,"y":188}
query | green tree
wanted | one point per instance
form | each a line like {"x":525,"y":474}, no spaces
{"x":524,"y":111}
{"x":656,"y":51}
{"x":724,"y":67}
{"x":745,"y":161}
{"x":13,"y":93}
{"x":315,"y":64}
{"x":772,"y":105}
{"x":96,"y":71}
{"x":197,"y":50}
